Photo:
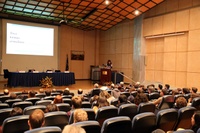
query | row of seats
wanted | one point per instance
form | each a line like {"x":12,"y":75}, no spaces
{"x":107,"y":118}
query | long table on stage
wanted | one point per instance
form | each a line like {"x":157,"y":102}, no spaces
{"x":33,"y":79}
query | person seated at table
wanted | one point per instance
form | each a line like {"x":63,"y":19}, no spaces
{"x":48,"y":92}
{"x":80,"y":91}
{"x":140,"y":98}
{"x":6,"y":92}
{"x":31,"y":94}
{"x":16,"y":111}
{"x":80,"y":115}
{"x":36,"y":119}
{"x":76,"y":104}
{"x":101,"y":102}
{"x":23,"y":96}
{"x":41,"y":90}
{"x":58,"y":99}
{"x":51,"y":108}
{"x":13,"y":96}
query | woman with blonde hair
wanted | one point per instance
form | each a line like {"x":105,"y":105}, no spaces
{"x":106,"y":95}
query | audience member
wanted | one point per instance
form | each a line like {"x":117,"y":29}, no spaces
{"x":167,"y":86}
{"x":112,"y":86}
{"x":102,"y":102}
{"x":151,"y":89}
{"x":180,"y":102}
{"x":192,"y":96}
{"x":162,"y":93}
{"x":96,"y":85}
{"x":73,"y":129}
{"x":13,"y":96}
{"x":140,"y":98}
{"x":122,"y":100}
{"x":51,"y":108}
{"x":76,"y":104}
{"x":16,"y":111}
{"x":66,"y":92}
{"x":195,"y":121}
{"x":106,"y":95}
{"x":160,"y":87}
{"x":70,"y":93}
{"x":131,"y":89}
{"x":23,"y":96}
{"x":80,"y":91}
{"x":31,"y":94}
{"x":94,"y":98}
{"x":48,"y":92}
{"x":80,"y":115}
{"x":41,"y":90}
{"x":194,"y":90}
{"x":185,"y":91}
{"x":142,"y":87}
{"x":36,"y":119}
{"x":82,"y":97}
{"x":115,"y":93}
{"x":54,"y":90}
{"x":6,"y":92}
{"x":58,"y":99}
{"x":175,"y":92}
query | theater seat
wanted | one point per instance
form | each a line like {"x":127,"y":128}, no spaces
{"x":144,"y":123}
{"x":166,"y":119}
{"x":95,"y":91}
{"x":4,"y":105}
{"x":104,"y":113}
{"x":63,"y":107}
{"x":16,"y":124}
{"x":67,"y":96}
{"x":114,"y":102}
{"x":33,"y":99}
{"x":90,"y":113}
{"x":55,"y":93}
{"x":4,"y":98}
{"x":11,"y":101}
{"x":154,"y":95}
{"x":49,"y":98}
{"x":177,"y":96}
{"x":89,"y":126}
{"x":166,"y":102}
{"x":43,"y":102}
{"x":29,"y":110}
{"x":22,"y":105}
{"x":185,"y":131}
{"x":129,"y":110}
{"x":4,"y":113}
{"x":58,"y":118}
{"x":121,"y":124}
{"x":67,"y":100}
{"x":125,"y":93}
{"x":146,"y":107}
{"x":86,"y":104}
{"x":134,"y":93}
{"x":94,"y":104}
{"x":184,"y":117}
{"x":41,"y":95}
{"x":196,"y":103}
{"x":50,"y":129}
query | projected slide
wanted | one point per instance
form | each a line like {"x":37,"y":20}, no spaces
{"x":29,"y":40}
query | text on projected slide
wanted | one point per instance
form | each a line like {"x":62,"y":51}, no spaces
{"x":29,"y":40}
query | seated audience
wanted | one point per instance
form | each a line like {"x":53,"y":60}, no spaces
{"x":76,"y":104}
{"x":13,"y":96}
{"x":122,"y":100}
{"x":82,"y":97}
{"x":167,"y":86}
{"x":102,"y":102}
{"x":23,"y":96}
{"x":58,"y":99}
{"x":6,"y":92}
{"x":16,"y":111}
{"x":140,"y":98}
{"x":51,"y":108}
{"x":131,"y":97}
{"x":66,"y":92}
{"x":80,"y":115}
{"x":41,"y":90}
{"x":106,"y":95}
{"x":192,"y":96}
{"x":73,"y":129}
{"x":31,"y":94}
{"x":80,"y":91}
{"x":96,"y":85}
{"x":36,"y":119}
{"x":175,"y":92}
{"x":70,"y":93}
{"x":180,"y":102}
{"x":185,"y":91}
{"x":54,"y":90}
{"x":159,"y":87}
{"x":115,"y":93}
{"x":162,"y":93}
{"x":48,"y":92}
{"x":151,"y":89}
{"x":195,"y":121}
{"x":194,"y":90}
{"x":94,"y":98}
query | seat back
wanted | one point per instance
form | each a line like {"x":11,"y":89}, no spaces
{"x":67,"y":100}
{"x":41,"y":95}
{"x":129,"y":110}
{"x":167,"y":119}
{"x":18,"y":93}
{"x":33,"y":99}
{"x":154,"y":95}
{"x":94,"y":104}
{"x":90,"y":113}
{"x":29,"y":110}
{"x":63,"y":107}
{"x":134,"y":93}
{"x":104,"y":113}
{"x":95,"y":91}
{"x":196,"y":103}
{"x":89,"y":126}
{"x":177,"y":96}
{"x":58,"y":118}
{"x":121,"y":124}
{"x":86,"y":104}
{"x":4,"y":105}
{"x":55,"y":93}
{"x":50,"y":129}
{"x":22,"y":105}
{"x":184,"y":117}
{"x":49,"y":98}
{"x":114,"y":102}
{"x":187,"y":96}
{"x":4,"y":113}
{"x":4,"y":98}
{"x":11,"y":101}
{"x":144,"y":123}
{"x":166,"y":102}
{"x":146,"y":107}
{"x":43,"y":102}
{"x":185,"y":131}
{"x":125,"y":93}
{"x":16,"y":124}
{"x":67,"y":96}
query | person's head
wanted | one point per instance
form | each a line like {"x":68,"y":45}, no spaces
{"x":13,"y":96}
{"x":175,"y":92}
{"x":137,"y":83}
{"x":73,"y":129}
{"x":48,"y":92}
{"x":122,"y":84}
{"x":76,"y":102}
{"x":194,"y":95}
{"x":31,"y":94}
{"x":194,"y":90}
{"x":80,"y":115}
{"x":24,"y":92}
{"x":140,"y":91}
{"x":195,"y":121}
{"x":80,"y":91}
{"x":141,"y":87}
{"x":51,"y":108}
{"x":94,"y":98}
{"x":58,"y":99}
{"x":104,"y":94}
{"x":160,"y":87}
{"x":82,"y":97}
{"x":109,"y":62}
{"x":5,"y":91}
{"x":41,"y":90}
{"x":122,"y":99}
{"x":66,"y":92}
{"x":102,"y":102}
{"x":112,"y":85}
{"x":54,"y":90}
{"x":140,"y":98}
{"x":185,"y":91}
{"x":181,"y":102}
{"x":16,"y":111}
{"x":96,"y":85}
{"x":131,"y":89}
{"x":167,"y":86}
{"x":163,"y":92}
{"x":36,"y":119}
{"x":151,"y":89}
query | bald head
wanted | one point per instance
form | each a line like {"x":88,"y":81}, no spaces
{"x":36,"y":119}
{"x":6,"y":91}
{"x":80,"y":91}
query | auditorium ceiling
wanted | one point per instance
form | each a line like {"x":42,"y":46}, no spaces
{"x":82,"y":14}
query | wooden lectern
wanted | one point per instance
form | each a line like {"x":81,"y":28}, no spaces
{"x":105,"y":76}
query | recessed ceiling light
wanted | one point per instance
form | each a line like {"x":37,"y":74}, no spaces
{"x":136,"y":12}
{"x":107,"y":2}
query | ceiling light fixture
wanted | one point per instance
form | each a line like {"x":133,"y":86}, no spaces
{"x":136,"y":12}
{"x":107,"y":2}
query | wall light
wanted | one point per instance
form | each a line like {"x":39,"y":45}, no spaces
{"x":165,"y":35}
